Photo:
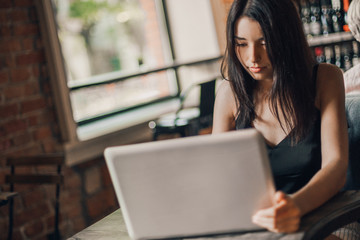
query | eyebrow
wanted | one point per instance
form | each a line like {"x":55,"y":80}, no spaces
{"x":241,"y":38}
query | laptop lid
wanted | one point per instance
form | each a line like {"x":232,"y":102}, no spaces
{"x":194,"y":186}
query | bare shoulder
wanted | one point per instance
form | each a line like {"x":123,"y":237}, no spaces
{"x":330,"y":78}
{"x":224,"y":109}
{"x":329,"y":73}
{"x":225,"y":93}
{"x":330,"y":82}
{"x":225,"y":88}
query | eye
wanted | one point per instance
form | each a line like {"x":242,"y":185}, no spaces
{"x":240,"y":44}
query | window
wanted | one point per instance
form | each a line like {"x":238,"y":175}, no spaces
{"x":118,"y":63}
{"x":103,"y":40}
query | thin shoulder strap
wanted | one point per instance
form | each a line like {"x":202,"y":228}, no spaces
{"x":315,"y":70}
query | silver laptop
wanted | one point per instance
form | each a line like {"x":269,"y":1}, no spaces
{"x":194,"y":186}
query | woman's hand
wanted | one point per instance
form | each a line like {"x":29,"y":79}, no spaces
{"x":284,"y":216}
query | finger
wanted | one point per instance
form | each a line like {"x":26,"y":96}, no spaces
{"x":278,"y":220}
{"x":290,"y":225}
{"x":267,"y":212}
{"x":279,"y":196}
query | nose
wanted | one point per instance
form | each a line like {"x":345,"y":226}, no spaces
{"x":254,"y":54}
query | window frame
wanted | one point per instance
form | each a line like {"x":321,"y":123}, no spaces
{"x":76,"y":150}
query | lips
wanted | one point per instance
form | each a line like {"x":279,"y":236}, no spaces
{"x":256,"y":69}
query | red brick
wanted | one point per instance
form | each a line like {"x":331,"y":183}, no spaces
{"x":4,"y":76}
{"x":111,"y":199}
{"x":51,"y":146}
{"x":39,"y":44}
{"x":69,"y":197}
{"x":17,"y":234}
{"x":28,"y":29}
{"x":15,"y":91}
{"x":24,"y":3}
{"x":42,"y":133}
{"x":3,"y":223}
{"x":105,"y":176}
{"x":10,"y":61}
{"x":4,"y":15}
{"x":33,"y":14}
{"x":101,"y":203}
{"x":72,"y":181}
{"x":9,"y":45}
{"x":15,"y":126}
{"x":28,"y":44}
{"x":21,"y":90}
{"x":22,"y":139}
{"x":33,"y":105}
{"x":40,"y":118}
{"x":32,"y":88}
{"x":34,"y":228}
{"x":5,"y":31}
{"x":30,"y":58}
{"x":2,"y":175}
{"x":78,"y":224}
{"x":9,"y":110}
{"x":2,"y":163}
{"x":20,"y":74}
{"x":5,"y":144}
{"x":5,"y":3}
{"x":50,"y":222}
{"x":36,"y":71}
{"x":28,"y":215}
{"x":34,"y":197}
{"x":19,"y":15}
{"x":96,"y":206}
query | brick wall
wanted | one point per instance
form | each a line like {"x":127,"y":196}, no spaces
{"x":28,"y":125}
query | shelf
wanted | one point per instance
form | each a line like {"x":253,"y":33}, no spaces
{"x":330,"y":39}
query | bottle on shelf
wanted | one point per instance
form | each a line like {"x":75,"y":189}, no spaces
{"x":337,"y":16}
{"x":305,"y":17}
{"x":345,"y":8}
{"x":319,"y":54}
{"x":345,"y":52}
{"x":338,"y":58}
{"x":329,"y":54}
{"x":315,"y":18}
{"x":355,"y":53}
{"x":326,"y":19}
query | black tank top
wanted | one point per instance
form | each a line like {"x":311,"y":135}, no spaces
{"x":293,"y":165}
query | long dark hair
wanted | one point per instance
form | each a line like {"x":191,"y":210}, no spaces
{"x":293,"y":91}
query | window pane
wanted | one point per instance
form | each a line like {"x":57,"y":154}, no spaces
{"x":99,"y":37}
{"x":92,"y":101}
{"x":194,"y":38}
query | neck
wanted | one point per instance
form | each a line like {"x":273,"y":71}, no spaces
{"x":263,"y":88}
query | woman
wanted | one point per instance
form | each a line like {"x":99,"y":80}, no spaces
{"x":273,"y":84}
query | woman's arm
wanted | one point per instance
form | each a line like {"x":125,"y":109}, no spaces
{"x":224,"y":109}
{"x":334,"y":141}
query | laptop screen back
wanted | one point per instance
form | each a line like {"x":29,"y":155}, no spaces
{"x":194,"y":186}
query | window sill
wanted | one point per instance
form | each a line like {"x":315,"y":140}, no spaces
{"x":127,"y":128}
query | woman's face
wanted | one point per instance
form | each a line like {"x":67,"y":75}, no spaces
{"x":250,"y":49}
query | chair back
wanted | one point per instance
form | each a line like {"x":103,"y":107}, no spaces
{"x":207,"y":98}
{"x":353,"y":119}
{"x":55,"y":160}
{"x":55,"y":177}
